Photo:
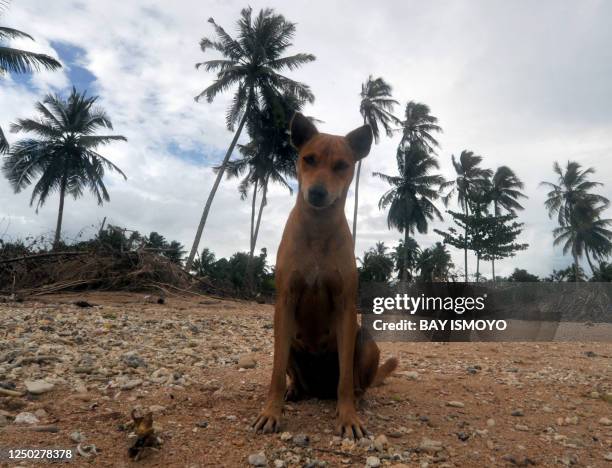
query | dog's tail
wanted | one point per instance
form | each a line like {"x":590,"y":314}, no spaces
{"x":385,"y":370}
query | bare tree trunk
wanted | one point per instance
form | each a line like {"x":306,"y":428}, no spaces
{"x":251,"y":246}
{"x":478,"y":267}
{"x":356,"y":203}
{"x":60,"y":214}
{"x":576,"y":268}
{"x":465,"y":247}
{"x":588,"y":257}
{"x":264,"y":202}
{"x":493,"y":268}
{"x":213,"y":191}
{"x":405,"y":272}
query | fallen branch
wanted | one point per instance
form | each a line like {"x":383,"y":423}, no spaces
{"x":43,"y":255}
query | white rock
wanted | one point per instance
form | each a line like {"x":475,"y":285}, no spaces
{"x":455,"y":404}
{"x":38,"y":387}
{"x":372,"y":462}
{"x":26,"y":418}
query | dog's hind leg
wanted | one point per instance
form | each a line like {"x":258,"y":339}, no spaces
{"x":367,"y":360}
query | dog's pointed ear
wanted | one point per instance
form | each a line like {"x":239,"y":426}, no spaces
{"x":360,"y":141}
{"x":302,"y":130}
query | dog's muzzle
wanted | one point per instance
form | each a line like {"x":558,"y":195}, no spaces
{"x":317,"y":196}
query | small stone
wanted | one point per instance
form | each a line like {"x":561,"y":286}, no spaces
{"x":412,"y":375}
{"x":301,"y":439}
{"x":131,"y":384}
{"x":246,"y":362}
{"x":430,"y":446}
{"x":77,"y":437}
{"x":490,"y":422}
{"x":455,"y":404}
{"x":372,"y":462}
{"x":518,"y":413}
{"x":381,"y":443}
{"x":605,"y":421}
{"x":202,"y":424}
{"x":463,"y":436}
{"x":278,"y":463}
{"x":286,"y":436}
{"x":26,"y":418}
{"x":133,"y":360}
{"x":38,"y":387}
{"x":157,"y":409}
{"x":608,"y":456}
{"x":521,"y":427}
{"x":258,"y":459}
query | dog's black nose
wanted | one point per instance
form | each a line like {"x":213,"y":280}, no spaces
{"x":317,"y":195}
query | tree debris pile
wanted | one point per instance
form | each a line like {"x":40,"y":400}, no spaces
{"x":96,"y":268}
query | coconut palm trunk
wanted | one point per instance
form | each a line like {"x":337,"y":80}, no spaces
{"x":253,"y":204}
{"x":262,"y":204}
{"x":588,"y":257}
{"x":405,"y":272}
{"x":60,"y":214}
{"x":356,"y":202}
{"x":213,"y":191}
{"x":465,"y":246}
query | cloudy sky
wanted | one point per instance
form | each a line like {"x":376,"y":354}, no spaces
{"x":521,"y":83}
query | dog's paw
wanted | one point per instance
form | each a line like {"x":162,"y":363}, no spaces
{"x":268,"y":421}
{"x":349,"y":425}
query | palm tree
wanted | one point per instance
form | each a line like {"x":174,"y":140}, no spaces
{"x":577,"y":209}
{"x":405,"y":256}
{"x":19,"y":61}
{"x":585,"y":232}
{"x":572,"y":187}
{"x":63,"y":156}
{"x":414,"y":190}
{"x":434,"y":263}
{"x":470,"y":177}
{"x":419,"y":126}
{"x":251,"y":63}
{"x":376,"y":264}
{"x":504,"y":191}
{"x":376,"y":109}
{"x":269,"y":156}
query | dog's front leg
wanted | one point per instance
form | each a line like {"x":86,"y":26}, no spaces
{"x":349,"y":424}
{"x":284,"y":325}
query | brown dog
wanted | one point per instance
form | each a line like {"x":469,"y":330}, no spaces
{"x":317,"y":340}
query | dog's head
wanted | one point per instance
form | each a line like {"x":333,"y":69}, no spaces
{"x":326,"y":163}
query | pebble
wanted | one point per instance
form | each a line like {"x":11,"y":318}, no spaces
{"x":258,"y":459}
{"x":521,"y":427}
{"x":301,"y":439}
{"x":608,"y":456}
{"x":518,"y":413}
{"x":372,"y":462}
{"x":413,"y":375}
{"x":133,"y":360}
{"x":455,"y":404}
{"x":26,"y":418}
{"x":77,"y":437}
{"x":430,"y":446}
{"x":605,"y":421}
{"x":381,"y":443}
{"x":246,"y":362}
{"x":490,"y":422}
{"x":278,"y":463}
{"x":286,"y":436}
{"x":38,"y":387}
{"x":131,"y":384}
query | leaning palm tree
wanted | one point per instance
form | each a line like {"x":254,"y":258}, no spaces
{"x":575,"y":205}
{"x":411,"y":198}
{"x":19,"y":61}
{"x":504,"y":191}
{"x":252,"y":63}
{"x":63,"y":156}
{"x":468,"y":183}
{"x":419,"y":126}
{"x":376,"y":108}
{"x":585,"y":232}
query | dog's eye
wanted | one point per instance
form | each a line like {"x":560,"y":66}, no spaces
{"x":340,"y":166}
{"x":309,"y":159}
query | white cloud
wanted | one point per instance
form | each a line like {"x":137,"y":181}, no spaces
{"x":523,"y":86}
